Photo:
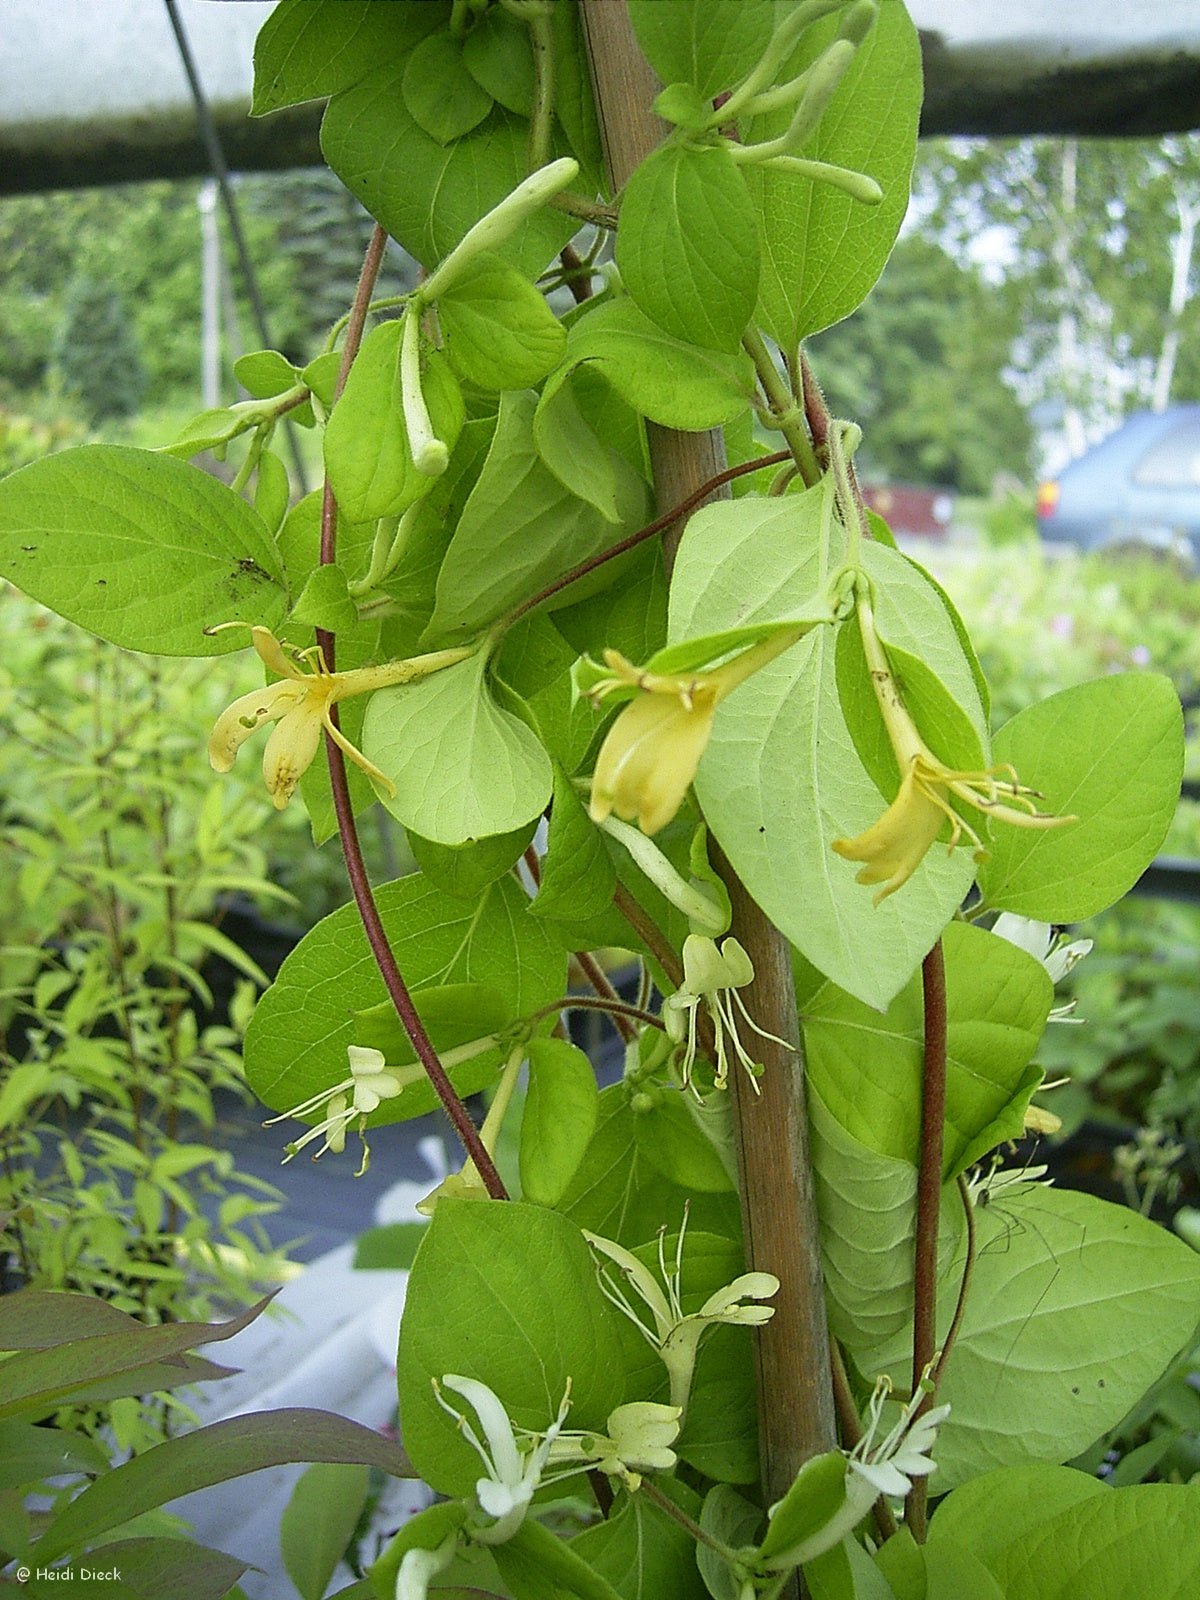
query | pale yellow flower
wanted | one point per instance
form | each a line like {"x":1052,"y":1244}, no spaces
{"x":893,"y":847}
{"x":300,"y":703}
{"x":650,"y":755}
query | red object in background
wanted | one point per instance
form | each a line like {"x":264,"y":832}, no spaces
{"x":1047,"y":498}
{"x":907,"y":509}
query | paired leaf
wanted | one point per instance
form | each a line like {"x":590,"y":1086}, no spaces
{"x":442,"y":97}
{"x":687,"y":245}
{"x":499,"y":332}
{"x":1109,"y":752}
{"x":709,"y":44}
{"x":823,"y":251}
{"x":508,"y":1295}
{"x":463,"y":767}
{"x":306,"y":51}
{"x":140,"y":549}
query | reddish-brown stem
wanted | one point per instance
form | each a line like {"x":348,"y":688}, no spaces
{"x":659,"y":525}
{"x":617,"y":1009}
{"x":649,"y":933}
{"x":817,"y":414}
{"x":576,"y":276}
{"x":356,"y":870}
{"x":596,"y":976}
{"x":964,"y":1288}
{"x":929,"y":1195}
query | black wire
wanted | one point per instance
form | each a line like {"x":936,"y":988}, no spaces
{"x":220,"y":172}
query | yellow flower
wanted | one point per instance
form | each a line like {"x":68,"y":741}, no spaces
{"x":893,"y":847}
{"x":300,"y":703}
{"x":650,"y":754}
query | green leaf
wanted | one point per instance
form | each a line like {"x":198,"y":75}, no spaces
{"x":846,"y":1573}
{"x":780,"y":778}
{"x":140,"y":549}
{"x":813,"y":1500}
{"x":677,"y":384}
{"x":429,"y":199}
{"x":867,"y":1068}
{"x":1076,"y":1307}
{"x":464,"y":869}
{"x":642,"y":1551}
{"x":731,"y":1521}
{"x":1109,"y":752}
{"x":559,"y":1118}
{"x":321,"y":376}
{"x":822,"y":250}
{"x":630,"y":617}
{"x":464,"y":768}
{"x":442,"y":97}
{"x":1009,"y":1507}
{"x":711,"y":44}
{"x":1120,"y":1544}
{"x":39,"y":1319}
{"x":426,"y":1531}
{"x":318,"y":1523}
{"x":223,"y":1450}
{"x":367,"y":453}
{"x":272,"y":491}
{"x":28,"y":1453}
{"x":867,"y":1206}
{"x":34,"y":1381}
{"x":616,"y":1192}
{"x":148,"y":1568}
{"x":265,"y":373}
{"x":498,"y":55}
{"x":508,"y":1295}
{"x":296,"y":1043}
{"x":392,"y":1247}
{"x":683,"y":1141}
{"x":499,"y":333}
{"x":520,"y":528}
{"x":325,"y":601}
{"x":206,"y":431}
{"x":305,"y":51}
{"x":578,"y":877}
{"x":571,"y":448}
{"x":537,"y":1565}
{"x":687,"y":246}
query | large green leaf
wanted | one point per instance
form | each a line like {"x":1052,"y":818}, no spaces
{"x":223,"y":1450}
{"x":296,"y":1043}
{"x":507,"y":1295}
{"x":140,"y":549}
{"x":578,"y":877}
{"x":464,"y":768}
{"x":520,"y":528}
{"x":440,"y":93}
{"x":867,"y":1206}
{"x":307,"y":49}
{"x":1109,"y":752}
{"x":822,"y":251}
{"x":780,"y":779}
{"x":1083,"y":1541}
{"x":867,"y":1068}
{"x":426,"y":194}
{"x":711,"y":44}
{"x":687,"y":245}
{"x":318,"y":1523}
{"x":147,"y":1568}
{"x":643,"y":1552}
{"x":28,"y":1452}
{"x":559,"y":1118}
{"x":463,"y":870}
{"x":499,"y":332}
{"x":677,"y":384}
{"x":367,"y":453}
{"x":1076,"y":1307}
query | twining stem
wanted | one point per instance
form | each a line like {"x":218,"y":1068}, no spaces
{"x":356,"y":869}
{"x":964,"y":1288}
{"x":817,"y":413}
{"x":595,"y":974}
{"x":659,"y":525}
{"x":541,"y":122}
{"x":785,"y":414}
{"x":619,"y":1010}
{"x":649,"y":933}
{"x":929,"y":1196}
{"x":679,"y":1515}
{"x":796,"y":1418}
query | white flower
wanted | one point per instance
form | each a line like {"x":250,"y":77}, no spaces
{"x":354,"y":1099}
{"x":639,"y":1439}
{"x":512,"y":1475}
{"x":714,"y":976}
{"x":420,"y":1566}
{"x":675,"y":1336}
{"x":903,"y":1455}
{"x":1039,"y":940}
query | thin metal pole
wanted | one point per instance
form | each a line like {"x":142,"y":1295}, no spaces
{"x":216,"y":161}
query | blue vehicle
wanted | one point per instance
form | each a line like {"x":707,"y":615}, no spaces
{"x":1140,"y":487}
